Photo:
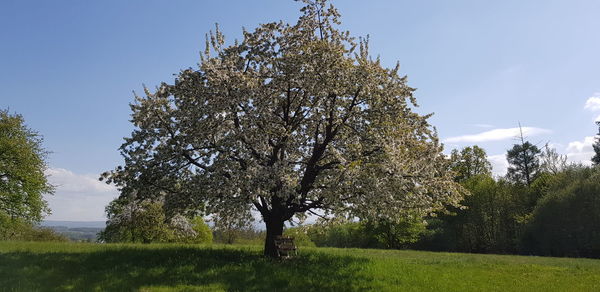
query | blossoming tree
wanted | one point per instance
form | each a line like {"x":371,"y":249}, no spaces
{"x":293,"y":119}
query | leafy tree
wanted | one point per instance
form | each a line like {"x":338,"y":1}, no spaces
{"x":395,"y":235}
{"x":566,"y":222}
{"x":229,"y":227}
{"x":340,"y":232}
{"x":135,"y":222}
{"x":486,"y":224}
{"x":145,"y":221}
{"x":551,"y":161}
{"x":524,"y":162}
{"x":596,"y":145}
{"x":292,"y":118}
{"x":470,"y":162}
{"x":22,"y":165}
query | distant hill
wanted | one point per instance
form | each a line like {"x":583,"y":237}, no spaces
{"x":74,"y":224}
{"x":76,"y":230}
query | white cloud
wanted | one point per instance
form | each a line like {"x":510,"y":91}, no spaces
{"x":499,"y":164}
{"x":78,"y":197}
{"x":581,"y":151}
{"x":593,"y":103}
{"x":68,"y":181}
{"x":497,"y":135}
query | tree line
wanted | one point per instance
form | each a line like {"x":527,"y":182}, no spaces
{"x":542,"y":206}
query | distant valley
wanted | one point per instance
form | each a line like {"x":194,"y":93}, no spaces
{"x":76,"y":230}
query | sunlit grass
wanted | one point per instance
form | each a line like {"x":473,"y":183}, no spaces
{"x":169,"y":267}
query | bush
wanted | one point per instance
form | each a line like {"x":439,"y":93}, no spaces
{"x":16,"y":229}
{"x":203,"y":234}
{"x":339,"y":234}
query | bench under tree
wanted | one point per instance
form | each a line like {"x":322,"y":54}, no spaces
{"x":285,"y":246}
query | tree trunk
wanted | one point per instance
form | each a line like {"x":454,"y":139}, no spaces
{"x":274,"y":228}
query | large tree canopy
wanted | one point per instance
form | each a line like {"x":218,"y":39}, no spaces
{"x":291,"y":119}
{"x":22,"y":165}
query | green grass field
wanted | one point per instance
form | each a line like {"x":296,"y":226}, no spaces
{"x":28,"y":266}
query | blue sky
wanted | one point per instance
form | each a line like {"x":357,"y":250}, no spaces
{"x":69,"y":67}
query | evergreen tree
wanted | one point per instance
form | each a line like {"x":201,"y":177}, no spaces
{"x":524,"y":162}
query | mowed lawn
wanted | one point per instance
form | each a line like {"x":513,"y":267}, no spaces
{"x":28,"y":266}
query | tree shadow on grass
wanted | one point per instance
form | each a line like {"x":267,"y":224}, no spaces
{"x":179,"y":268}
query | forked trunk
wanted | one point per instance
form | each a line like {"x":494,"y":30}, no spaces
{"x":274,"y":228}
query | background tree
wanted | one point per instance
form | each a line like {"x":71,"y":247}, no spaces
{"x":22,"y":164}
{"x":228,"y":230}
{"x":395,"y":235}
{"x":551,"y":161}
{"x":469,"y":162}
{"x":524,"y":162}
{"x":596,"y":145}
{"x":145,"y":222}
{"x":340,"y":232}
{"x":486,"y":224}
{"x":566,"y":222}
{"x":290,"y":119}
{"x":135,"y":222}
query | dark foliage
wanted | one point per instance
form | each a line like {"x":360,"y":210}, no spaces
{"x":524,"y":163}
{"x":566,"y":222}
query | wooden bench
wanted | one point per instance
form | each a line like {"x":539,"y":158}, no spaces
{"x":285,"y":246}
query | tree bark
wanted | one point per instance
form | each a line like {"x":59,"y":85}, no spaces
{"x":274,"y":226}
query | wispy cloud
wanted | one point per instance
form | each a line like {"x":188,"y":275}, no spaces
{"x":78,"y":197}
{"x":497,"y":135}
{"x":593,"y":102}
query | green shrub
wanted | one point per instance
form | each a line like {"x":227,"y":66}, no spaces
{"x":339,"y":234}
{"x":16,"y":229}
{"x":203,"y":234}
{"x":394,"y":235}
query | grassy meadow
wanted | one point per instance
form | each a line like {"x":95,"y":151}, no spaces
{"x":29,"y":266}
